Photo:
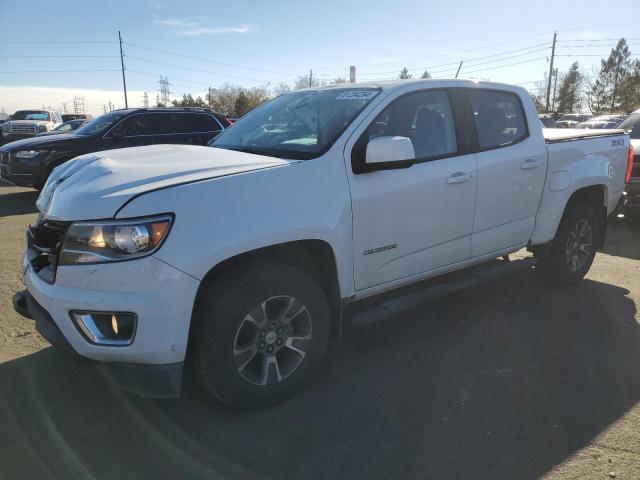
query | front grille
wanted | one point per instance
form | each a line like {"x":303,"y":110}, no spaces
{"x":44,"y":240}
{"x":21,"y":128}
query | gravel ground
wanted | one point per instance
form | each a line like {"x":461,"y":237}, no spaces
{"x":511,"y":379}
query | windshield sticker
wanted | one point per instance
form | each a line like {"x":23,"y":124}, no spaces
{"x":357,"y":95}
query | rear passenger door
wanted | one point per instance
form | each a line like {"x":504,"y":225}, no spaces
{"x":511,"y":172}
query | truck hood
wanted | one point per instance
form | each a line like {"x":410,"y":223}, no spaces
{"x":97,"y":185}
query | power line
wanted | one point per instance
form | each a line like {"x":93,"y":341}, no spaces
{"x":57,"y":71}
{"x":48,"y":42}
{"x":195,"y":69}
{"x":205,"y":59}
{"x":474,"y":59}
{"x":58,"y":56}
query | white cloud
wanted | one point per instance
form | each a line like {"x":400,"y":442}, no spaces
{"x":14,"y":98}
{"x":194,"y":27}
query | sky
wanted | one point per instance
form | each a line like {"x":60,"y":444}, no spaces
{"x":53,"y":51}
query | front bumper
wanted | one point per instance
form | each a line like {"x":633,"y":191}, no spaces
{"x":161,"y":296}
{"x":160,"y":381}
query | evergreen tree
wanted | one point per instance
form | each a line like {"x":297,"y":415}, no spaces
{"x":568,"y":97}
{"x":404,"y":74}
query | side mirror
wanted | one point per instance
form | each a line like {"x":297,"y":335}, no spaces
{"x":390,"y":152}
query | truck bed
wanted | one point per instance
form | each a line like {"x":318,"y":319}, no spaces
{"x":553,"y":135}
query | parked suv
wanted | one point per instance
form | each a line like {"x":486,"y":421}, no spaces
{"x":27,"y":123}
{"x":29,"y":162}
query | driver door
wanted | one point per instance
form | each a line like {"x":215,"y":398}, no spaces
{"x":413,"y":218}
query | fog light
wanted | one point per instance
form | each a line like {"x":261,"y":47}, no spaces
{"x":114,"y":329}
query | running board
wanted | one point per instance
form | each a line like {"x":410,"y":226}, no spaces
{"x":391,"y":307}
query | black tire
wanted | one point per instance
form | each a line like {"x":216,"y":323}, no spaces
{"x":223,"y":328}
{"x":574,"y":246}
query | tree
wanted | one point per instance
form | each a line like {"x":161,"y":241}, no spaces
{"x":188,"y":101}
{"x":339,"y":80}
{"x":426,"y":74}
{"x":241,"y":105}
{"x":282,"y":88}
{"x":303,"y":82}
{"x":630,"y":90}
{"x":604,"y":91}
{"x":404,"y":74}
{"x":568,"y":96}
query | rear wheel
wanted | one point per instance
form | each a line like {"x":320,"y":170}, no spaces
{"x":574,"y":246}
{"x":260,"y":334}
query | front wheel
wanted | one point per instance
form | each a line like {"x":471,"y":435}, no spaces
{"x":574,"y":246}
{"x":260,"y":334}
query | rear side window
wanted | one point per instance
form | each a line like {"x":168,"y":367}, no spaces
{"x":499,"y":118}
{"x":424,"y":117}
{"x":200,"y":122}
{"x":137,"y":125}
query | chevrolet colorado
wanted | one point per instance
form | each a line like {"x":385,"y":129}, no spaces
{"x":243,"y":256}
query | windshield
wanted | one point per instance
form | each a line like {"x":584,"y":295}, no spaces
{"x":296,"y":125}
{"x":100,"y":124}
{"x":632,"y":125}
{"x":31,"y":115}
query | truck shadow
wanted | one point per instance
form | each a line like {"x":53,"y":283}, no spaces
{"x":505,"y":380}
{"x":18,"y":203}
{"x":623,"y":237}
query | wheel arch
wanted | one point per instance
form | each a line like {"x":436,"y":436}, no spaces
{"x":315,"y":257}
{"x":594,"y":195}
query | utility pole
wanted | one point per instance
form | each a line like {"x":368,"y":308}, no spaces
{"x":124,"y":81}
{"x":145,"y":100}
{"x":459,"y":67}
{"x":555,"y":84}
{"x":310,"y":77}
{"x":553,"y":54}
{"x":209,"y":97}
{"x":352,"y":74}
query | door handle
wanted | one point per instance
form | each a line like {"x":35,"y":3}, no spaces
{"x":459,"y":177}
{"x":530,"y":163}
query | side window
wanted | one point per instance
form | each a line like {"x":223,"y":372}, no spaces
{"x":177,"y":123}
{"x":137,"y":125}
{"x":200,"y":122}
{"x":424,"y":117}
{"x":499,"y":118}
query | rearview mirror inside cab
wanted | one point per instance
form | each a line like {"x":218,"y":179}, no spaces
{"x":387,"y":149}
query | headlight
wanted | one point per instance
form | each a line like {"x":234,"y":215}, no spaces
{"x":28,"y":153}
{"x":42,"y":128}
{"x":111,"y":241}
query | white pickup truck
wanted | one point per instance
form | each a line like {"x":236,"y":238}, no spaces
{"x":243,"y":256}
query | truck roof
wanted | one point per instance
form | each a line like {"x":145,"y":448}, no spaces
{"x":392,"y":84}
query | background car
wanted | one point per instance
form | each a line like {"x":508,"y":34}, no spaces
{"x":631,"y":125}
{"x":548,"y":120}
{"x":76,"y":116}
{"x":601,"y":121}
{"x":65,"y":127}
{"x":29,"y":162}
{"x":570,"y":120}
{"x":28,"y":123}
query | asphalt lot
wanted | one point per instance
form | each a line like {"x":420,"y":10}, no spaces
{"x":508,"y":380}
